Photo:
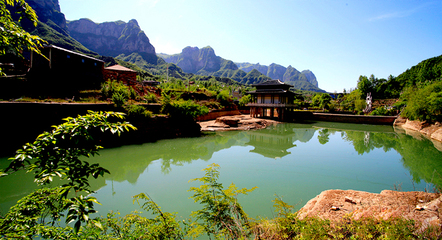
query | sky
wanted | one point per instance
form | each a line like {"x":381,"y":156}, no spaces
{"x":337,"y":40}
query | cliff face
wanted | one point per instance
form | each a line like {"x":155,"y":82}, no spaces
{"x":311,"y":78}
{"x":112,"y":38}
{"x":48,"y":12}
{"x":193,"y":60}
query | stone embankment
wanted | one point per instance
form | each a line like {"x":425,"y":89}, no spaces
{"x":433,"y":131}
{"x":236,"y":122}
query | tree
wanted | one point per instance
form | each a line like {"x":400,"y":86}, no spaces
{"x":365,"y":85}
{"x":13,"y":38}
{"x":322,"y":100}
{"x":60,"y":154}
{"x":222,"y":215}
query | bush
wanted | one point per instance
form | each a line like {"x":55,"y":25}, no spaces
{"x":382,"y":111}
{"x":224,"y":98}
{"x":181,"y":108}
{"x":109,"y":88}
{"x":245,"y":100}
{"x":424,"y":104}
{"x":134,"y":110}
{"x":150,"y":98}
{"x":119,"y":99}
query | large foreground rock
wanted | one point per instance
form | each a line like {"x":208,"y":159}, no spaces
{"x":335,"y":204}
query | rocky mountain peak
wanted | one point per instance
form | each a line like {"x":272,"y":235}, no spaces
{"x":49,"y":11}
{"x":311,"y":78}
{"x":112,"y":38}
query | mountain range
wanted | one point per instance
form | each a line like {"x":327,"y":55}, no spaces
{"x":127,"y":42}
{"x":204,"y":62}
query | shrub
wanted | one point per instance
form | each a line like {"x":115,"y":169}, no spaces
{"x":134,"y":110}
{"x":245,"y":100}
{"x":184,"y":109}
{"x":119,"y":99}
{"x":150,"y":98}
{"x":224,"y":98}
{"x":109,"y":88}
{"x":383,"y":111}
{"x":424,"y":104}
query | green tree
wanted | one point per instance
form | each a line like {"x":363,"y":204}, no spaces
{"x":365,"y":85}
{"x":245,"y":100}
{"x":60,"y":154}
{"x":222,"y":216}
{"x":322,"y":100}
{"x":13,"y":38}
{"x":423,"y":104}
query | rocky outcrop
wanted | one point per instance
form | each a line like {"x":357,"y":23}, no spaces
{"x":236,"y":122}
{"x":334,"y":205}
{"x":112,"y":38}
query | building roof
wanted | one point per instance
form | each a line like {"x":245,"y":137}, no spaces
{"x":278,"y":91}
{"x":119,"y":68}
{"x":275,"y":82}
{"x":72,"y":52}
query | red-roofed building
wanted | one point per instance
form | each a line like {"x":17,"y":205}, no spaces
{"x":120,"y":73}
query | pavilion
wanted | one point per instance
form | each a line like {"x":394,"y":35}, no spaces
{"x":271,"y":99}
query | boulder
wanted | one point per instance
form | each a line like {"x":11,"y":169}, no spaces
{"x":334,"y":205}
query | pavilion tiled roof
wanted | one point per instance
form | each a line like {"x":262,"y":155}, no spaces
{"x":271,"y":83}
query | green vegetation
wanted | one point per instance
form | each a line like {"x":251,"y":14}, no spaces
{"x":322,"y":100}
{"x":14,"y":39}
{"x":423,"y":103}
{"x":180,"y":108}
{"x":418,"y":90}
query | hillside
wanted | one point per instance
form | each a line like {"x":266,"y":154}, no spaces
{"x":428,"y":70}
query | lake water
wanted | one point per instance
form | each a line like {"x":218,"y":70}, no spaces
{"x":294,"y":161}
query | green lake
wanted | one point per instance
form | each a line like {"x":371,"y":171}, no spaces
{"x":294,"y":161}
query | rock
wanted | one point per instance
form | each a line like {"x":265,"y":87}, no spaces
{"x":437,"y":135}
{"x":399,"y":121}
{"x":229,"y":120}
{"x":236,"y":122}
{"x":111,"y":38}
{"x":335,"y":204}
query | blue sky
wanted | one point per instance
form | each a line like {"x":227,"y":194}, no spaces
{"x":337,"y":40}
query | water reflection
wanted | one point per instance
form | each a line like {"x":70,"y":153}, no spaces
{"x":128,"y":163}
